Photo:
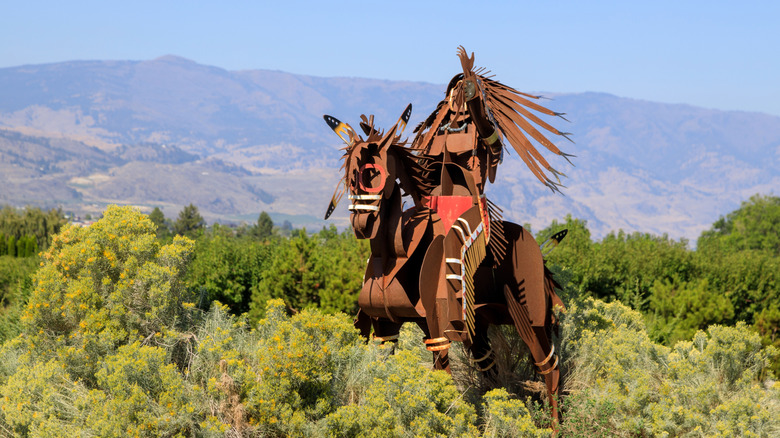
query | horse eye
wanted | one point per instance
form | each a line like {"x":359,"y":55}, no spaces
{"x":368,"y":177}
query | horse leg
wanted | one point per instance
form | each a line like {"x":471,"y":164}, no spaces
{"x":433,"y":293}
{"x":542,"y":350}
{"x":483,"y":358}
{"x":441,"y":360}
{"x":548,"y":367}
{"x":437,"y":342}
{"x":386,"y":331}
{"x":363,"y":323}
{"x":440,"y":347}
{"x":530,"y":306}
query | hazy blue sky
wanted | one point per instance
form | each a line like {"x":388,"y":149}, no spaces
{"x":713,"y":54}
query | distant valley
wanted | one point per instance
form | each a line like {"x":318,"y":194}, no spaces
{"x":169,"y":132}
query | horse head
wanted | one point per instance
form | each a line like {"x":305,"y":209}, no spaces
{"x":370,"y":172}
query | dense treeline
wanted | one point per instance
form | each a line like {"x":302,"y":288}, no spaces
{"x":22,"y":234}
{"x":732,"y":276}
{"x":32,"y":227}
{"x":244,"y":267}
{"x":119,"y":337}
{"x":15,"y":286}
{"x":239,"y":270}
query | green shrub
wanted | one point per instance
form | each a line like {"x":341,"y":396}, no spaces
{"x":226,"y":268}
{"x":623,"y":384}
{"x":323,"y":270}
{"x":677,"y":311}
{"x":111,"y":347}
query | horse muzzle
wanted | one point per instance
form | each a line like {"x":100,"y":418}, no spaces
{"x":365,"y":215}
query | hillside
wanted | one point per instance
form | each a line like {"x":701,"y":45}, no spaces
{"x":168,"y":132}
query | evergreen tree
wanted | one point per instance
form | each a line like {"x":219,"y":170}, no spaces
{"x":163,"y":225}
{"x":190,"y":223}
{"x":20,"y":247}
{"x":31,"y":246}
{"x":11,"y":246}
{"x":265,"y":226}
{"x":286,"y":228}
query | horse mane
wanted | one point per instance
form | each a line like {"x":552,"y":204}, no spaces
{"x":417,"y":180}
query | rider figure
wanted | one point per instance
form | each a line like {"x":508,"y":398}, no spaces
{"x":460,"y":137}
{"x":463,"y":136}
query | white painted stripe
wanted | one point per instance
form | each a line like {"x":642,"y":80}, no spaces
{"x":461,"y":232}
{"x":454,"y":277}
{"x":365,"y":197}
{"x":363,"y":207}
{"x":453,"y":260}
{"x":468,"y":227}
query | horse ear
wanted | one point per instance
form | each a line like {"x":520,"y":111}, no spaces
{"x":398,"y":127}
{"x":387,"y":140}
{"x":343,"y":130}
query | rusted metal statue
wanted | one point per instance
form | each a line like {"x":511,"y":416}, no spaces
{"x":449,"y":263}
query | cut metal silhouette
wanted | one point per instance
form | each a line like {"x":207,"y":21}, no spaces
{"x":448,"y":262}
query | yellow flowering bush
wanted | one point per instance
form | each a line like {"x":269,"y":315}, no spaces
{"x":143,"y":395}
{"x":507,"y":417}
{"x":41,"y":400}
{"x":103,"y":286}
{"x":310,"y":373}
{"x":86,"y":362}
{"x":301,"y":361}
{"x":405,"y":398}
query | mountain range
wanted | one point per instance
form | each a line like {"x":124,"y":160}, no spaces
{"x":169,"y":132}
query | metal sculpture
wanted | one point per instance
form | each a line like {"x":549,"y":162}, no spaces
{"x":449,"y":263}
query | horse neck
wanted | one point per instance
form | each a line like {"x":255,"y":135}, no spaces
{"x":390,"y":224}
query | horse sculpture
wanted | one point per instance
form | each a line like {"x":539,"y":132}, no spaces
{"x":498,"y":275}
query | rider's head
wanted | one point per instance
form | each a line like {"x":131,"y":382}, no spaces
{"x":455,"y":79}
